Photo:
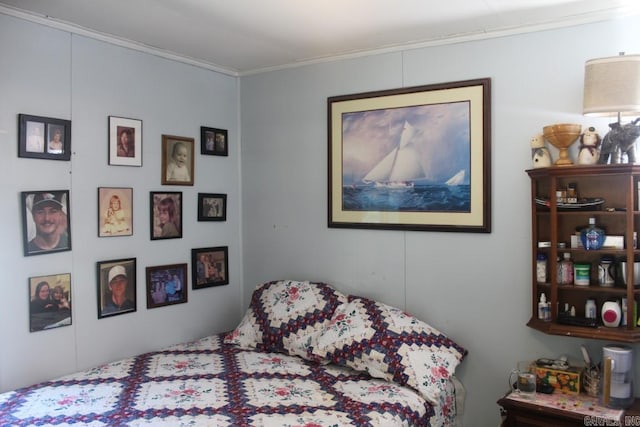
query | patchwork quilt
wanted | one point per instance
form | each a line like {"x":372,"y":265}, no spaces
{"x":210,"y":383}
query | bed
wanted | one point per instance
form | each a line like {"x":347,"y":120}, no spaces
{"x":303,"y":355}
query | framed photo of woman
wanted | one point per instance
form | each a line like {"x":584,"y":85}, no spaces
{"x":49,"y":301}
{"x":125,"y":141}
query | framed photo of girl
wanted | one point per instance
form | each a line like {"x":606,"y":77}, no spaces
{"x":115,"y":211}
{"x":125,"y":141}
{"x":210,"y":266}
{"x":116,"y":287}
{"x":166,"y":285}
{"x":213,"y":142}
{"x":212,"y":207}
{"x":177,"y":160}
{"x":166,"y":215}
{"x":44,"y":137}
{"x":49,"y":301}
{"x":46,"y":222}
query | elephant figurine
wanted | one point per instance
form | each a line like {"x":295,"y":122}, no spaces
{"x":619,"y":141}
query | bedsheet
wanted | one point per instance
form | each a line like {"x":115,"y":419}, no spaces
{"x":209,"y":383}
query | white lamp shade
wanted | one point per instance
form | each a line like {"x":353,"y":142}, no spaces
{"x":612,"y":86}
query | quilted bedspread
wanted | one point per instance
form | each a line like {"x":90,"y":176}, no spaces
{"x":208,"y":383}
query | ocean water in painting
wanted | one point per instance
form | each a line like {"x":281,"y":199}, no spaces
{"x":414,"y":198}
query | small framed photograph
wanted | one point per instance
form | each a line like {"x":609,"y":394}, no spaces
{"x":166,"y":285}
{"x":210,"y":267}
{"x":49,"y":301}
{"x":116,"y":287}
{"x":177,"y":160}
{"x":213,"y":142}
{"x":44,"y":137}
{"x":166,"y":215}
{"x":125,"y":141}
{"x":115,"y":211}
{"x":212,"y":207}
{"x":46,"y":222}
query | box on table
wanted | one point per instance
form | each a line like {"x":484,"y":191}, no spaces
{"x":562,"y":380}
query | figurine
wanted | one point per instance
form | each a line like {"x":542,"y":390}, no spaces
{"x":540,"y":155}
{"x":589,"y":144}
{"x":620,"y":140}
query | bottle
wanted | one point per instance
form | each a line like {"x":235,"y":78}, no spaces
{"x":544,"y":308}
{"x":541,"y":268}
{"x":565,"y":270}
{"x":590,"y":309}
{"x":592,"y":237}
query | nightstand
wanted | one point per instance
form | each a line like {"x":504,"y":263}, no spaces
{"x":560,"y":410}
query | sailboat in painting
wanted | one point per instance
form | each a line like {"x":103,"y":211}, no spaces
{"x":399,"y":168}
{"x":456,"y":179}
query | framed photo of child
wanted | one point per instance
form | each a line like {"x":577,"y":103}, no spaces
{"x":213,"y":141}
{"x":177,"y":160}
{"x":166,"y":285}
{"x":210,"y":267}
{"x":115,"y":211}
{"x":49,"y":301}
{"x":166,"y":215}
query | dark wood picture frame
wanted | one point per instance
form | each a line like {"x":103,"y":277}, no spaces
{"x":49,"y":301}
{"x":166,"y":285}
{"x":177,"y":160}
{"x":209,"y":267}
{"x":416,"y":158}
{"x":46,"y":221}
{"x":165,"y":210}
{"x":214,"y":141}
{"x":44,"y":137}
{"x":116,"y":287}
{"x":125,"y":141}
{"x":212,"y":207}
{"x":115,"y":211}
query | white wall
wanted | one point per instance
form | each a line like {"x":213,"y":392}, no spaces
{"x":474,"y":287}
{"x":52,"y":73}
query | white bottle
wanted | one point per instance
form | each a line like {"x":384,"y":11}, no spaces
{"x":544,"y":308}
{"x":590,"y":309}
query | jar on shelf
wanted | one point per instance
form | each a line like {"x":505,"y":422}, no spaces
{"x":541,"y":268}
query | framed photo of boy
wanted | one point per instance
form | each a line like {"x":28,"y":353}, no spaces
{"x":49,"y":301}
{"x":46,"y":222}
{"x":125,"y":141}
{"x":166,"y":285}
{"x":166,"y":215}
{"x":177,"y":160}
{"x":116,"y":287}
{"x":210,"y":267}
{"x":44,"y":137}
{"x":212,"y":207}
{"x":115,"y":211}
{"x":213,"y":142}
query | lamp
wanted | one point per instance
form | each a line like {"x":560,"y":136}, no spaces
{"x":612,"y":88}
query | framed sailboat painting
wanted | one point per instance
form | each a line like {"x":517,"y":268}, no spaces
{"x":416,"y":158}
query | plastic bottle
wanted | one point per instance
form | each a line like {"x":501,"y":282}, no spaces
{"x":541,"y":268}
{"x":544,"y":308}
{"x":590,"y":309}
{"x":592,"y":237}
{"x":565,"y":270}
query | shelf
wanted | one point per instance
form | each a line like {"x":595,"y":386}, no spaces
{"x":621,"y":333}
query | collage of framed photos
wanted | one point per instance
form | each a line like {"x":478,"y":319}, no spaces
{"x":46,"y":220}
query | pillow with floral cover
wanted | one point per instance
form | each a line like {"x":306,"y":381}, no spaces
{"x":390,"y":344}
{"x":285,"y":315}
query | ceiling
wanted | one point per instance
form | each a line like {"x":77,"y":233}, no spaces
{"x":240,"y":37}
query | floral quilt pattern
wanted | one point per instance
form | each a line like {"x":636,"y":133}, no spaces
{"x":209,"y":383}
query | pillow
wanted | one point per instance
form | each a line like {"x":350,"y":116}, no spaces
{"x":285,"y":315}
{"x":389,"y":344}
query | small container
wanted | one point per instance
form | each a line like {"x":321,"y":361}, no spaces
{"x":565,"y":270}
{"x":541,"y":268}
{"x":581,"y":274}
{"x":590,"y":309}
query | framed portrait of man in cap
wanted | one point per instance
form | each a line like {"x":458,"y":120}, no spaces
{"x":46,"y":221}
{"x":116,"y":287}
